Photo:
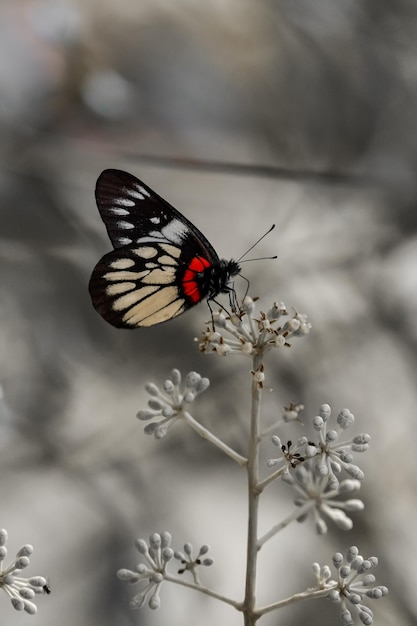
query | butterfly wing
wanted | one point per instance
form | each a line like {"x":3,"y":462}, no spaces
{"x":152,"y":275}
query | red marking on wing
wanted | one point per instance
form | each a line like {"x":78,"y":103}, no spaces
{"x":189,"y":282}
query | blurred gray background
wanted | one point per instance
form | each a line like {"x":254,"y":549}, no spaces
{"x":317,"y":102}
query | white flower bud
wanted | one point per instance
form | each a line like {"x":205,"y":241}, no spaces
{"x":22,"y":562}
{"x":141,"y":546}
{"x":337,"y":559}
{"x":154,"y":602}
{"x":317,"y":422}
{"x":18,"y":604}
{"x":354,"y":505}
{"x":144,"y":414}
{"x":316,"y":569}
{"x":155,"y":404}
{"x":203,"y":384}
{"x":192,"y":379}
{"x":167,"y":554}
{"x":152,"y":389}
{"x":175,"y":377}
{"x":334,"y":596}
{"x":345,"y":418}
{"x":166,"y":539}
{"x":325,"y":412}
{"x":126,"y":575}
{"x":155,"y":540}
{"x":25,"y":550}
{"x":169,"y":387}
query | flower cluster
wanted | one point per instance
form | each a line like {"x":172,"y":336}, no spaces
{"x":170,"y":403}
{"x":313,"y":468}
{"x":354,"y":583}
{"x":291,"y":455}
{"x":158,"y":554}
{"x":21,"y":591}
{"x":249,"y":334}
{"x":334,"y":455}
{"x":316,"y":496}
{"x":189,"y":563}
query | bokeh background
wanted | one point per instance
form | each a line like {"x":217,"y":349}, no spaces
{"x":241,"y":114}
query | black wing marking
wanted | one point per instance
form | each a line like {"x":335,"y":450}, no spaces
{"x":133,"y":213}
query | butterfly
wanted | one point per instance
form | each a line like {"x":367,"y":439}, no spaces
{"x":161,"y":265}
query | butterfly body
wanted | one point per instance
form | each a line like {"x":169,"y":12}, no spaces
{"x":161,"y":264}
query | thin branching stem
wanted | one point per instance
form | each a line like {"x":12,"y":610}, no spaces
{"x":298,"y":512}
{"x":206,"y":434}
{"x":309,"y":594}
{"x":206,"y":590}
{"x":253,"y":501}
{"x":271,"y":478}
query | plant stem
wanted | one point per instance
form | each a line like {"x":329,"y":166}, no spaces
{"x":206,"y":434}
{"x":304,"y":595}
{"x":253,"y":501}
{"x":299,"y":512}
{"x":202,"y":589}
{"x":270,"y":479}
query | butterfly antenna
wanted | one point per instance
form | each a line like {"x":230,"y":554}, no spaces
{"x":255,"y":244}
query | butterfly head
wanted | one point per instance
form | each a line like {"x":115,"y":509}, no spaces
{"x":219,"y":276}
{"x":228,"y":269}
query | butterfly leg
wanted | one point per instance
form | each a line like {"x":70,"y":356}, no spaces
{"x":232,"y":300}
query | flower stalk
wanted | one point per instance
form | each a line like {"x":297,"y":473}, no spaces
{"x":218,"y":443}
{"x":253,"y":498}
